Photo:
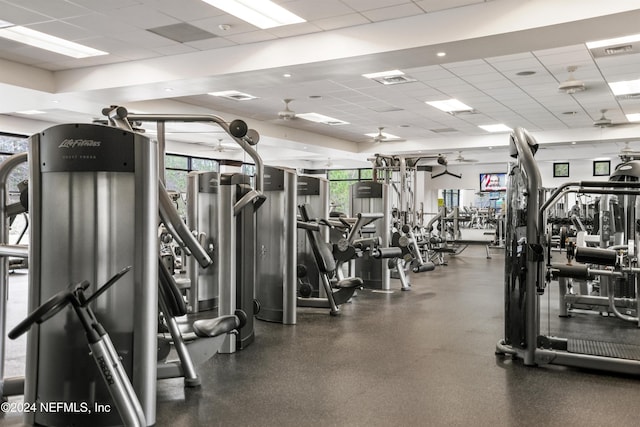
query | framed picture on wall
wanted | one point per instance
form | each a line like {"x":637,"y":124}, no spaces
{"x":561,"y":170}
{"x":601,"y":168}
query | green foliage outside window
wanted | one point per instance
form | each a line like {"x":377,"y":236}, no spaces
{"x":177,"y":168}
{"x":12,"y":144}
{"x":339,"y":182}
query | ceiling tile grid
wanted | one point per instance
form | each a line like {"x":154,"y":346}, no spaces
{"x":489,"y":85}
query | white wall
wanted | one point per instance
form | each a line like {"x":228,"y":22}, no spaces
{"x":579,"y":170}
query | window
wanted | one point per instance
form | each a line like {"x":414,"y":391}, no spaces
{"x":601,"y":168}
{"x":198,"y":164}
{"x":451,"y":198}
{"x":561,"y":170}
{"x":178,"y":166}
{"x":176,"y":169}
{"x":12,"y":144}
{"x":339,"y":182}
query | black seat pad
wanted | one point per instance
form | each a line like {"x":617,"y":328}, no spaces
{"x":209,"y":328}
{"x":445,"y":250}
{"x":349,"y":282}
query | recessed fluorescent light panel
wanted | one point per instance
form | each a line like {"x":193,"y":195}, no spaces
{"x":450,"y":105}
{"x":319,"y":118}
{"x":391,"y":77}
{"x":390,"y":73}
{"x":635,"y":117}
{"x":233,"y":94}
{"x":385,"y":136}
{"x":30,"y":112}
{"x":261,"y":13}
{"x":48,"y":42}
{"x":613,"y":42}
{"x":625,"y":87}
{"x":496,"y":128}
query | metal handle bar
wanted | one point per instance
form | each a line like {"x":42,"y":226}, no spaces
{"x":53,"y":305}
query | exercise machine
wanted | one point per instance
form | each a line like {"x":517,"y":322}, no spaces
{"x":276,"y":240}
{"x":93,"y":201}
{"x":528,"y":253}
{"x":239,"y":202}
{"x":203,"y":202}
{"x":101,"y":347}
{"x":314,"y":192}
{"x":193,"y":341}
{"x":373,"y":197}
{"x":8,"y":386}
{"x":327,"y":267}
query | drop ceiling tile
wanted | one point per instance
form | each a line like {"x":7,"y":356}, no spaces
{"x":63,"y":30}
{"x":486,"y":78}
{"x":176,"y":49}
{"x":194,"y":10}
{"x":100,"y":24}
{"x":144,"y":39}
{"x":342,"y":21}
{"x":430,"y":74}
{"x":209,"y":44}
{"x":142,"y":17}
{"x":392,"y":12}
{"x":544,"y":80}
{"x":511,"y":68}
{"x":54,"y":9}
{"x":436,"y":5}
{"x":362,"y":5}
{"x":251,"y":37}
{"x":522,"y":56}
{"x":102,"y":5}
{"x":294,"y":30}
{"x":313,"y":11}
{"x":20,"y":16}
{"x":236,"y":26}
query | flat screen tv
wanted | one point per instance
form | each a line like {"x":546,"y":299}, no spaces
{"x":493,"y":182}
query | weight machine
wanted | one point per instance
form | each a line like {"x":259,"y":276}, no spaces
{"x":239,"y":202}
{"x":528,"y":253}
{"x":327,"y":267}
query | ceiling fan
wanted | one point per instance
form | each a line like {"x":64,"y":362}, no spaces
{"x":572,"y":85}
{"x":224,"y":148}
{"x":461,"y":159}
{"x":383,"y":136}
{"x":627,"y":153}
{"x":605,"y":122}
{"x":287,"y":113}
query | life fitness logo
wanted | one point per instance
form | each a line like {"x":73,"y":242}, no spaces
{"x":75,"y":143}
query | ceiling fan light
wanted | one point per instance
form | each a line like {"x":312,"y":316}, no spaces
{"x":572,"y":86}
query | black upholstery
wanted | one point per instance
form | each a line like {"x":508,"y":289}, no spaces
{"x":209,"y":328}
{"x":323,"y":255}
{"x":349,"y":282}
{"x":321,"y":251}
{"x":176,"y":306}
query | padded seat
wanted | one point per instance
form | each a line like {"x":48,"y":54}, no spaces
{"x":209,"y":328}
{"x":349,"y":282}
{"x":445,"y":250}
